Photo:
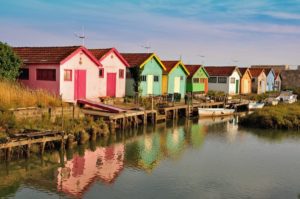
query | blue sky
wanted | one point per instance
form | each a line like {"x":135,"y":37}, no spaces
{"x":213,"y":32}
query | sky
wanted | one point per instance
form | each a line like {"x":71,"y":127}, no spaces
{"x":209,"y":32}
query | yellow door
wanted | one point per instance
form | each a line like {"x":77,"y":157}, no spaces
{"x":177,"y":85}
{"x":164,"y":84}
{"x":150,"y":84}
{"x":246,"y":86}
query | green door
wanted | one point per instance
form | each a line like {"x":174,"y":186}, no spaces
{"x":236,"y":86}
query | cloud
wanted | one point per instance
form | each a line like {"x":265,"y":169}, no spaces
{"x":283,"y":15}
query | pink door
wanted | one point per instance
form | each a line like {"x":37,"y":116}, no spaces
{"x":111,"y":85}
{"x":80,"y":84}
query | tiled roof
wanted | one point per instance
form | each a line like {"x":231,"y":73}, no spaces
{"x":169,"y":65}
{"x":268,"y":70}
{"x":192,"y":69}
{"x":99,"y":53}
{"x":44,"y":55}
{"x":220,"y":70}
{"x":243,"y":70}
{"x":255,"y":72}
{"x":136,"y":59}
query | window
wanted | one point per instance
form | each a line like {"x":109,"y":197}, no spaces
{"x":143,"y":78}
{"x":121,"y":73}
{"x":24,"y":74}
{"x":253,"y":80}
{"x":232,"y":80}
{"x":195,"y":80}
{"x":101,"y":72}
{"x":156,"y":78}
{"x":212,"y":80}
{"x":202,"y":80}
{"x":67,"y":75}
{"x":181,"y":78}
{"x":222,"y":80}
{"x":46,"y":74}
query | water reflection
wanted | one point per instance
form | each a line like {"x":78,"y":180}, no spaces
{"x":103,"y":164}
{"x":76,"y":172}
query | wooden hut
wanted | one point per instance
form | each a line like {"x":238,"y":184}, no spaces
{"x":174,"y":78}
{"x":112,"y":74}
{"x":197,"y":81}
{"x":245,"y":81}
{"x":69,"y":71}
{"x":147,"y":68}
{"x":277,"y":84}
{"x":224,"y":78}
{"x":259,"y":80}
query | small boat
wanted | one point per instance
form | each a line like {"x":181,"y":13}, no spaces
{"x":272,"y":101}
{"x":214,"y":112}
{"x":255,"y":105}
{"x":287,"y":97}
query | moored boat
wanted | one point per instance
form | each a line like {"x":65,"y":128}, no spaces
{"x":214,"y":112}
{"x":255,"y":105}
{"x":287,"y":97}
{"x":271,"y":101}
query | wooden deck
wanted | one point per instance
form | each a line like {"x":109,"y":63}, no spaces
{"x":27,"y":139}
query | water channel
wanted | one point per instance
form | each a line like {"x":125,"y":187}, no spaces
{"x":181,"y":159}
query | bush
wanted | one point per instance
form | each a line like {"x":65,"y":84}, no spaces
{"x":9,"y":62}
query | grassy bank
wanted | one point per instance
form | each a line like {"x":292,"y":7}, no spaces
{"x":283,"y":116}
{"x":14,"y":95}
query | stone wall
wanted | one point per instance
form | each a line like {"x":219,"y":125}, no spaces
{"x":290,"y":79}
{"x":52,"y":113}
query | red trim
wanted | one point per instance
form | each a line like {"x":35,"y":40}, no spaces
{"x":118,"y":55}
{"x":86,"y":51}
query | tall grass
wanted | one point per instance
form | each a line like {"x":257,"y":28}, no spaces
{"x":14,"y":95}
{"x":283,"y":116}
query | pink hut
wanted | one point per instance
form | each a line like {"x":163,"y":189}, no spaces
{"x":78,"y":174}
{"x":70,"y":71}
{"x":113,"y":72}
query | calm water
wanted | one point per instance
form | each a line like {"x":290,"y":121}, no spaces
{"x":185,"y":159}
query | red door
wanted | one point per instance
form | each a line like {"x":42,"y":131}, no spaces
{"x":80,"y":84}
{"x":111,"y":84}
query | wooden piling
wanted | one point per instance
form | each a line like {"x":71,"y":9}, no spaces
{"x":42,"y":148}
{"x":8,"y":154}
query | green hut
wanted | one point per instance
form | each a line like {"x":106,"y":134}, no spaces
{"x":146,"y":68}
{"x":174,"y":78}
{"x":197,"y":81}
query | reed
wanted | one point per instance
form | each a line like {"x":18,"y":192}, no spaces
{"x":14,"y":95}
{"x":283,"y":116}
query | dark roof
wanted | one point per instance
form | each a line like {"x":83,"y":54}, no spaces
{"x":220,"y":70}
{"x":192,"y":69}
{"x":255,"y":72}
{"x":44,"y":55}
{"x":243,"y":70}
{"x":99,"y":53}
{"x":136,"y":59}
{"x":169,"y":65}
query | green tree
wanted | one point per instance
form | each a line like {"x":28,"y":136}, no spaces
{"x":9,"y":62}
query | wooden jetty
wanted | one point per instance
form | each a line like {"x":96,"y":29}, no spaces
{"x":125,"y":119}
{"x":27,"y":139}
{"x":187,"y":110}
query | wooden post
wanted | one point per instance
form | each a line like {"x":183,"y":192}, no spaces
{"x":42,"y":148}
{"x":28,"y":146}
{"x":145,"y":118}
{"x":8,"y":153}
